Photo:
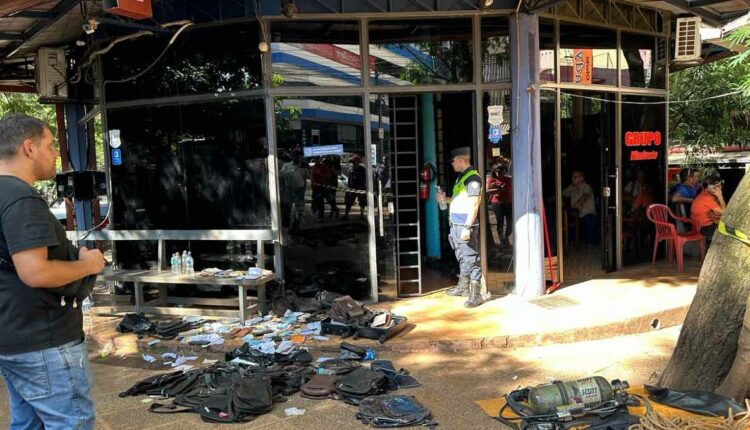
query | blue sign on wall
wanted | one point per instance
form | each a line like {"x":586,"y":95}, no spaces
{"x":313,"y":151}
{"x":495,"y":134}
{"x":116,"y":157}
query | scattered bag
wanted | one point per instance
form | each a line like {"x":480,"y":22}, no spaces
{"x":326,"y":299}
{"x":361,"y":383}
{"x":135,"y":323}
{"x":348,"y":311}
{"x":339,"y":366}
{"x":697,"y":402}
{"x":319,"y":387}
{"x":396,"y":380}
{"x":347,"y":351}
{"x":389,"y":411}
{"x":170,"y":329}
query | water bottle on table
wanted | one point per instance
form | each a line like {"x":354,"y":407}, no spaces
{"x":189,"y":262}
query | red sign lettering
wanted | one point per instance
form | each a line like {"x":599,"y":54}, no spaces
{"x":643,"y":138}
{"x":644,"y":155}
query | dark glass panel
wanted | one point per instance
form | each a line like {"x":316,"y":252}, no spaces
{"x":588,"y":55}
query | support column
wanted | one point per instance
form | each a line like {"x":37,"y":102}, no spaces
{"x":79,"y":158}
{"x":429,"y":155}
{"x":526,"y":153}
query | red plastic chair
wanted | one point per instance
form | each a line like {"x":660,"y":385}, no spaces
{"x":665,"y":230}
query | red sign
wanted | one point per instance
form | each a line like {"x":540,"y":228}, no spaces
{"x":643,"y":138}
{"x":644,"y":155}
{"x":339,"y":55}
{"x":583,"y":65}
{"x":136,"y":9}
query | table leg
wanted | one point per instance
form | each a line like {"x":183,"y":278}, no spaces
{"x":138,"y":289}
{"x":163,"y":294}
{"x":262,"y":304}
{"x":242,"y":289}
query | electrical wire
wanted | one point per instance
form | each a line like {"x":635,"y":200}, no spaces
{"x":86,"y":234}
{"x":660,"y":102}
{"x":185,"y":25}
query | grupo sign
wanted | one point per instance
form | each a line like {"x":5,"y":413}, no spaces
{"x":643,"y":139}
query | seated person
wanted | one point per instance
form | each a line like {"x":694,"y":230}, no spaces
{"x":642,"y":201}
{"x":682,"y":194}
{"x":708,"y":206}
{"x":582,"y":198}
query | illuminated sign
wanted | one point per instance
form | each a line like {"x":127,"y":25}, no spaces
{"x":583,"y":65}
{"x":636,"y":139}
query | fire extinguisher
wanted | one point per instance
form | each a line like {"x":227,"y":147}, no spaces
{"x":426,"y":175}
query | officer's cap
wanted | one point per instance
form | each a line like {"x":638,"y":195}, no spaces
{"x":464,"y":151}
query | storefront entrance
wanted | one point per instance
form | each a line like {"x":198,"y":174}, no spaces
{"x":589,"y":200}
{"x":413,"y":141}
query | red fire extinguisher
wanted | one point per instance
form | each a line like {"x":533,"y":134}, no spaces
{"x":425,"y":179}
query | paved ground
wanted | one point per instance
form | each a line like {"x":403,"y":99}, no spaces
{"x":451,"y":383}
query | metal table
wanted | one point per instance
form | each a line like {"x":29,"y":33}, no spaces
{"x":164,"y":278}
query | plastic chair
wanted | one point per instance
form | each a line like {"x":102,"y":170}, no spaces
{"x":666,"y":230}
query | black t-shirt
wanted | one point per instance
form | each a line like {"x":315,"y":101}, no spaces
{"x":32,"y":318}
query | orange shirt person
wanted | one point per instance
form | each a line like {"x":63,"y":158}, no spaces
{"x":708,"y":206}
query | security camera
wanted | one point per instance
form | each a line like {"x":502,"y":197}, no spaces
{"x":91,"y":26}
{"x":290,"y":10}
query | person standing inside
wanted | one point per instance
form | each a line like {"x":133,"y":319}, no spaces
{"x":464,"y":232}
{"x":582,"y":199}
{"x":500,"y":190}
{"x":357,"y":182}
{"x":296,"y":174}
{"x":43,"y":355}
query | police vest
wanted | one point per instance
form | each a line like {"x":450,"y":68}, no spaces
{"x":460,"y":203}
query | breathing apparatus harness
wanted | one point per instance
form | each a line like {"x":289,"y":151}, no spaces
{"x":568,"y":412}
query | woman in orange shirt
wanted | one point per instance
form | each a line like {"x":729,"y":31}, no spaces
{"x":708,"y":207}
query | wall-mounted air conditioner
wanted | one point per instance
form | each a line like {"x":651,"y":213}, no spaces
{"x":51,"y":74}
{"x":687,"y":39}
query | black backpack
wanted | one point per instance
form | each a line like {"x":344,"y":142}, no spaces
{"x":361,"y":383}
{"x":248,"y":397}
{"x":389,"y":411}
{"x":158,"y":385}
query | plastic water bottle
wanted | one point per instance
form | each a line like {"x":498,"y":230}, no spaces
{"x":441,"y":202}
{"x":177,"y":264}
{"x":174,"y":264}
{"x":183,"y":260}
{"x":189,"y":268}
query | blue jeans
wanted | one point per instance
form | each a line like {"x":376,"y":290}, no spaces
{"x":49,"y":389}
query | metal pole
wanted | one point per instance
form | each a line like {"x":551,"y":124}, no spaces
{"x":62,"y":138}
{"x":364,"y":55}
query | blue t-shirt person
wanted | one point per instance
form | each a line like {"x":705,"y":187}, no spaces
{"x":685,"y":190}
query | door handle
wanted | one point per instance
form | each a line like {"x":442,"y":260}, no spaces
{"x":380,"y":207}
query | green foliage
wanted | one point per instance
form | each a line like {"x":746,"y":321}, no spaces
{"x":709,"y":125}
{"x":741,"y":36}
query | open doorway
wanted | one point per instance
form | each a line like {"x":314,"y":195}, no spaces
{"x":587,"y":140}
{"x":413,"y":141}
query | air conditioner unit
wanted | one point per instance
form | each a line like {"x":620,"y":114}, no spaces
{"x":51,"y":74}
{"x":688,"y":39}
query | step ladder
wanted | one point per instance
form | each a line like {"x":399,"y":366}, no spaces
{"x":405,"y":138}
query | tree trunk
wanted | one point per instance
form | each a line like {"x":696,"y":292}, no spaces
{"x":707,"y":344}
{"x":737,"y":382}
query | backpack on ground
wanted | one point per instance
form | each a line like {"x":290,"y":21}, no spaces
{"x":319,"y":387}
{"x":361,"y":383}
{"x":389,"y":411}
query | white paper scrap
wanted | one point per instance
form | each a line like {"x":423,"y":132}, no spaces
{"x":149,"y":358}
{"x":294,"y":412}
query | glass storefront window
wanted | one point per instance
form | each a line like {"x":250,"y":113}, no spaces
{"x":427,"y":51}
{"x":309,"y":53}
{"x":495,"y":50}
{"x":197,"y":166}
{"x":644,"y":163}
{"x":588,"y":55}
{"x":642,"y":61}
{"x":498,"y":188}
{"x":220,"y":58}
{"x":546,"y":51}
{"x":322,"y":186}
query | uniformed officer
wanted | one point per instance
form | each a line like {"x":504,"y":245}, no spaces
{"x":464,"y":233}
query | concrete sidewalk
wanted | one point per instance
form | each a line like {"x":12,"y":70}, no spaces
{"x":628,"y":302}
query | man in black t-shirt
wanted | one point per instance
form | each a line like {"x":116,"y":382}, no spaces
{"x":43,"y":357}
{"x":357,"y":181}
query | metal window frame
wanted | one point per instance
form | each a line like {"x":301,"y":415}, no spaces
{"x":364,"y":91}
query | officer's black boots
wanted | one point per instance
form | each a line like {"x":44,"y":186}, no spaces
{"x":475,"y":296}
{"x":460,"y":290}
